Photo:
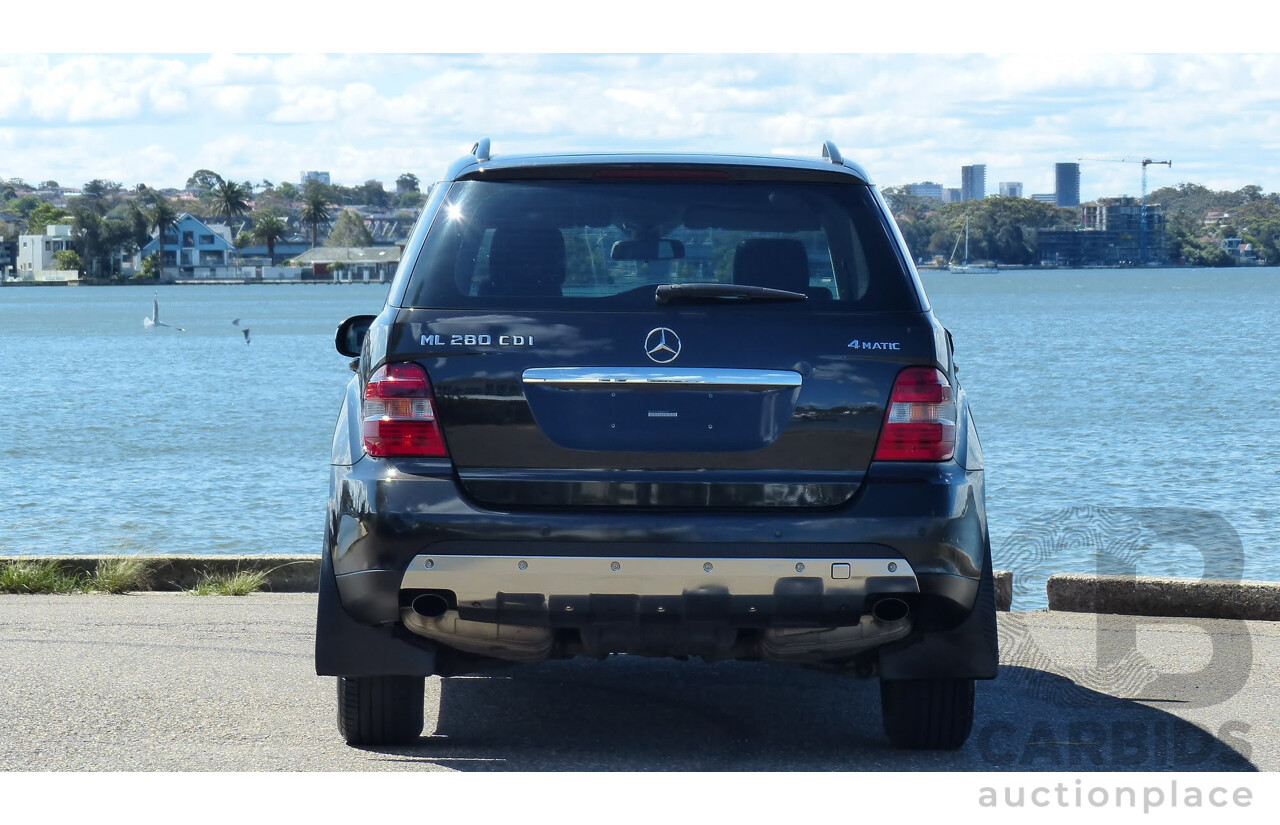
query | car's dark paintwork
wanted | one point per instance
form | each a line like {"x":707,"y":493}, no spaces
{"x":540,"y":472}
{"x":584,"y":165}
{"x":822,"y":435}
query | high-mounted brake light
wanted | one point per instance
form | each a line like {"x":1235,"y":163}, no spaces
{"x":661,"y":174}
{"x":920,"y":424}
{"x":398,"y":414}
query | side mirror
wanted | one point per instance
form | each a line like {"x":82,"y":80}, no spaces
{"x":349,"y":339}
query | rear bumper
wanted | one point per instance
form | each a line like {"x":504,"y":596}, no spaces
{"x":927,"y":519}
{"x":386,"y":520}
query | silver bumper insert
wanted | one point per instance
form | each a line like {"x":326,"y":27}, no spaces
{"x":477,"y":580}
{"x":567,"y":587}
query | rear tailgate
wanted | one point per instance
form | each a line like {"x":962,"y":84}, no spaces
{"x":757,"y":406}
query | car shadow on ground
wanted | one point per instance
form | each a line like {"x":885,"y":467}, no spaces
{"x":635,"y":714}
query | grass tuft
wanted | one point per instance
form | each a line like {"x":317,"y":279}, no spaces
{"x":240,"y":583}
{"x":120,"y":574}
{"x":37,"y":576}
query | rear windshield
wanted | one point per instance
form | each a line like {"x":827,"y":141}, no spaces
{"x":601,"y":245}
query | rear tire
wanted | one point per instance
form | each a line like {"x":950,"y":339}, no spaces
{"x":380,"y":710}
{"x":927,"y":714}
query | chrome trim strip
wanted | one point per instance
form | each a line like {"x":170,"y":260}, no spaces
{"x":479,"y":579}
{"x":662,"y":378}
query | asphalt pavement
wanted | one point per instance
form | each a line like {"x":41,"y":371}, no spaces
{"x":176,"y":682}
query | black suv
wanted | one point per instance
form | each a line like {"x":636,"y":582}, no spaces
{"x":665,"y":405}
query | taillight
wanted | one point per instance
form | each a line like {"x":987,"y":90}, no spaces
{"x":920,"y":424}
{"x":398,"y":416}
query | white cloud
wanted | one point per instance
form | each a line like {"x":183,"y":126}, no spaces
{"x":167,"y":93}
{"x":12,"y":96}
{"x":1029,"y":74}
{"x":374,"y":116}
{"x":233,"y":101}
{"x":307,"y":104}
{"x":73,"y":156}
{"x":328,"y":69}
{"x":88,"y":89}
{"x":224,"y":69}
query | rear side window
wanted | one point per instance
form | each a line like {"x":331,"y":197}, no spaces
{"x":514,"y":245}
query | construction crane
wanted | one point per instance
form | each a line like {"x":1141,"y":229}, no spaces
{"x":1142,"y":215}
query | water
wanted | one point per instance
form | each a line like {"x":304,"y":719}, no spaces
{"x":1093,"y":390}
{"x":1101,"y":390}
{"x":121,"y":439}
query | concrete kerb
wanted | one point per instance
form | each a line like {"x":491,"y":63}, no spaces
{"x":1160,"y":596}
{"x":285,"y":573}
{"x":1067,"y":592}
{"x":1004,"y":589}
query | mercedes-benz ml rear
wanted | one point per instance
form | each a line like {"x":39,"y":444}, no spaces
{"x":660,"y":405}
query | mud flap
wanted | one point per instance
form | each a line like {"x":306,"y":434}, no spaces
{"x":345,"y":647}
{"x":969,"y":651}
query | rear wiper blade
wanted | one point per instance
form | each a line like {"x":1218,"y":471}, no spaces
{"x":677,"y":293}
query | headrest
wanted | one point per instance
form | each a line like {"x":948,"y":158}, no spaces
{"x":526,"y":261}
{"x":777,"y":263}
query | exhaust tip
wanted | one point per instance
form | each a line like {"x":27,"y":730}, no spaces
{"x":890,"y":610}
{"x":429,"y":605}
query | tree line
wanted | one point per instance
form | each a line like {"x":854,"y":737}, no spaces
{"x":1250,"y":215}
{"x":1000,"y":229}
{"x":1004,"y":229}
{"x":106,"y":219}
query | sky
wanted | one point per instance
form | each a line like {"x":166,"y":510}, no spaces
{"x":386,"y":108}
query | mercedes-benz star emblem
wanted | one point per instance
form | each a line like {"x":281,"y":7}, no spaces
{"x":662,"y":345}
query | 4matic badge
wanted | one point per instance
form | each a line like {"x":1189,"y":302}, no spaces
{"x":856,"y":344}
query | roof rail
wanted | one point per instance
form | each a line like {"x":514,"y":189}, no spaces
{"x":481,"y":149}
{"x":831,"y":153}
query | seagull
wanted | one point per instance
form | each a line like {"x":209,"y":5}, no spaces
{"x":235,"y":322}
{"x":154,"y":320}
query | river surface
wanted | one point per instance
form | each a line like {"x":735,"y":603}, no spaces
{"x":1129,"y":419}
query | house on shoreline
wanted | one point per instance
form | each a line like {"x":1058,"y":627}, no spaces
{"x":192,"y":250}
{"x":37,"y":254}
{"x":197,"y":251}
{"x":354,"y":264}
